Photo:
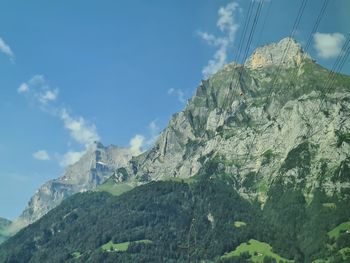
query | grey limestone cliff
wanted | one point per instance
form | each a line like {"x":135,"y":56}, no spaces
{"x":273,"y":118}
{"x":94,"y":167}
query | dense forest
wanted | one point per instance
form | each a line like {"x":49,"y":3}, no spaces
{"x":184,"y":221}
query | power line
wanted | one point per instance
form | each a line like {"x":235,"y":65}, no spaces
{"x":246,"y":23}
{"x":252,"y":31}
{"x":249,"y":41}
{"x":265,"y":19}
{"x":337,"y":67}
{"x":240,"y":45}
{"x":310,"y":37}
{"x":318,"y":20}
{"x":295,"y":26}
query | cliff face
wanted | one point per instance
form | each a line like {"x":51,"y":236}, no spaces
{"x":272,"y":118}
{"x":98,"y":164}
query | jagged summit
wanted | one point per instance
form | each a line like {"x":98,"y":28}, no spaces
{"x":287,"y":53}
{"x":258,"y":125}
{"x":94,"y":167}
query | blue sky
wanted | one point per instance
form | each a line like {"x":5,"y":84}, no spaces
{"x":117,"y":69}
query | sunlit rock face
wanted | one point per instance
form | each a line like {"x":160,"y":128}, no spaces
{"x":267,"y":120}
{"x":93,"y":168}
{"x":287,"y":53}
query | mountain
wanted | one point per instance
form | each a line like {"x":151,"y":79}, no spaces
{"x":262,"y":114}
{"x":256,"y":167}
{"x":263,"y":121}
{"x":199,"y":220}
{"x":94,"y":167}
{"x":158,"y":216}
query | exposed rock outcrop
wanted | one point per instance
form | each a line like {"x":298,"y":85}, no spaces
{"x":261,"y":126}
{"x":94,"y":167}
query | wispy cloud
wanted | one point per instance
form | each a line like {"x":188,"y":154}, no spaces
{"x":70,"y":157}
{"x":177,"y":93}
{"x":328,"y":45}
{"x":5,"y":48}
{"x":228,"y":26}
{"x":79,"y":129}
{"x":38,"y":90}
{"x":48,"y":95}
{"x":154,"y":131}
{"x":41,"y":155}
{"x":23,"y":88}
{"x":136,"y":144}
{"x":139,"y":142}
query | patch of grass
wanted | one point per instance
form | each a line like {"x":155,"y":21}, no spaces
{"x":239,"y":224}
{"x":262,"y":186}
{"x":267,"y":157}
{"x":115,"y":188}
{"x":110,"y":246}
{"x":76,"y":254}
{"x":335,"y":232}
{"x":330,"y":205}
{"x":190,"y":180}
{"x":257,"y":250}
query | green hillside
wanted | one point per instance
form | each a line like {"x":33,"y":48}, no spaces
{"x":258,"y":251}
{"x":177,"y":221}
{"x":115,"y":189}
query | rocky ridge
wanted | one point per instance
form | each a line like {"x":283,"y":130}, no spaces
{"x":94,"y":167}
{"x":260,"y":127}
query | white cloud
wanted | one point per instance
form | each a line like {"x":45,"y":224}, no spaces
{"x":37,"y":80}
{"x":178,"y":93}
{"x":226,"y":21}
{"x":48,"y":95}
{"x":39,"y":90}
{"x":23,"y":88}
{"x":139,"y":143}
{"x":81,"y":131}
{"x":70,"y":158}
{"x":41,"y":155}
{"x":227,"y":25}
{"x":154,"y":131}
{"x":136,"y":144}
{"x":4,"y":48}
{"x":153,"y":127}
{"x":328,"y":45}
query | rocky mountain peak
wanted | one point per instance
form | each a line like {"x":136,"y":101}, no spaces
{"x":257,"y":125}
{"x":287,"y":53}
{"x":94,"y":167}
